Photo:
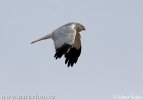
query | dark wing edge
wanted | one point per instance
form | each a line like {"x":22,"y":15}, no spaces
{"x":72,"y":56}
{"x":62,"y":50}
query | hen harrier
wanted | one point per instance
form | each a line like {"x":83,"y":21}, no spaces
{"x":67,"y":42}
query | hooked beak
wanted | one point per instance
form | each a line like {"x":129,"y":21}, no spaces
{"x":84,"y":28}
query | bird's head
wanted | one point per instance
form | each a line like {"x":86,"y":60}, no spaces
{"x":79,"y":27}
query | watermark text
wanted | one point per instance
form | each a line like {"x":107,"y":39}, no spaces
{"x":27,"y":97}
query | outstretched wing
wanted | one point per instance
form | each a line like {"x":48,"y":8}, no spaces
{"x":63,"y":38}
{"x":74,"y":53}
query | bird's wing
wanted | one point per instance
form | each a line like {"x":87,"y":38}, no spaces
{"x":74,"y":53}
{"x":63,"y":38}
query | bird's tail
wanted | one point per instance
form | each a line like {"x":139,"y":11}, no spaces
{"x":43,"y":38}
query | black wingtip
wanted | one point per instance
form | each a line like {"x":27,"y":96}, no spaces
{"x":72,"y":56}
{"x":62,"y":50}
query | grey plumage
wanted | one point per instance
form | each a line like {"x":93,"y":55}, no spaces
{"x":66,"y":41}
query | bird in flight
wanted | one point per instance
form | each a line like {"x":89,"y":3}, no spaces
{"x":67,"y":42}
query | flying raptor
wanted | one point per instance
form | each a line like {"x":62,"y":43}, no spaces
{"x":67,"y":42}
